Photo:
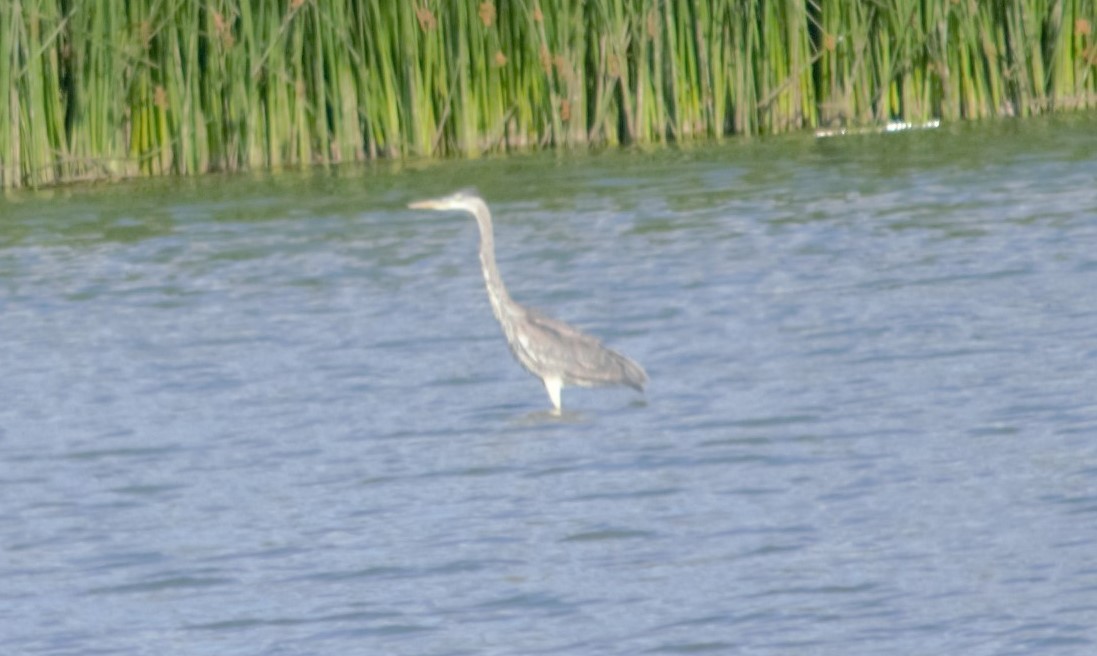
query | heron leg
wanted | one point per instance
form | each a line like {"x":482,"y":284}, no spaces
{"x":553,"y":386}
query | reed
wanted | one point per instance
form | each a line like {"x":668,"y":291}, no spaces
{"x":113,"y":88}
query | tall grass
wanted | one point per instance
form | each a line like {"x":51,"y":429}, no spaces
{"x":105,"y":88}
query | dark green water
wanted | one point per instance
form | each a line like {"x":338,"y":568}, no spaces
{"x":273,"y":414}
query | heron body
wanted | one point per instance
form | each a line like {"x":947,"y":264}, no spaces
{"x":555,"y":352}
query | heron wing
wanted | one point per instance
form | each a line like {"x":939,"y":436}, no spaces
{"x":548,"y":345}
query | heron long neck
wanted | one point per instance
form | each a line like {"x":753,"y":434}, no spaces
{"x":497,"y":291}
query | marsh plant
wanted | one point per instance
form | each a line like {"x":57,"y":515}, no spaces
{"x":107,"y":88}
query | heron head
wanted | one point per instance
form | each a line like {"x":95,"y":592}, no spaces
{"x":466,"y":199}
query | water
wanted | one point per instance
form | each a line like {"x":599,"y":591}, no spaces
{"x":273,"y":414}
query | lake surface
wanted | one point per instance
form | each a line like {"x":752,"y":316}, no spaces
{"x":273,"y":414}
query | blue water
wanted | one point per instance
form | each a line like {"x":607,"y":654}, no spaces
{"x":274,"y":415}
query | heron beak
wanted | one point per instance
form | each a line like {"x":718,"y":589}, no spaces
{"x":425,"y":205}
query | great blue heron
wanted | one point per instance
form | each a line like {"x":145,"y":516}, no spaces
{"x":552,"y":350}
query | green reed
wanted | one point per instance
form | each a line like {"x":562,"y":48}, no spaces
{"x":113,"y":88}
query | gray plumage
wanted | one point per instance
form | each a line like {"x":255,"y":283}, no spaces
{"x":550,"y":349}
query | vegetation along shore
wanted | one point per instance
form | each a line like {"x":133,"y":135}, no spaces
{"x":117,"y":88}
